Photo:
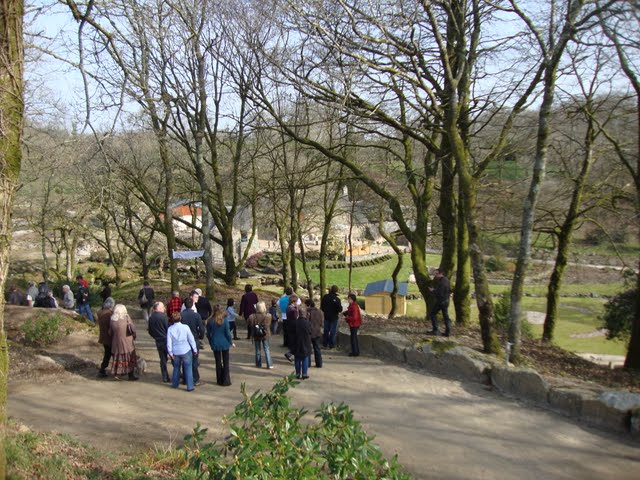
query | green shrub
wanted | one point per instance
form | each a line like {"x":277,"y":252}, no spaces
{"x":501,"y":313}
{"x":269,"y":439}
{"x":496,"y":264}
{"x":619,"y":313}
{"x":44,"y":330}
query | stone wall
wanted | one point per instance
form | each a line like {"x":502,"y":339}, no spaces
{"x":611,"y":410}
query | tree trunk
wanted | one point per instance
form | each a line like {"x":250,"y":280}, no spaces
{"x":462,"y":287}
{"x":632,"y":360}
{"x":528,"y":215}
{"x":305,"y":268}
{"x":12,"y":114}
{"x":566,"y":231}
{"x":447,"y":214}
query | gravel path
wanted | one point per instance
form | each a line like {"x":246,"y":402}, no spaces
{"x":439,"y":428}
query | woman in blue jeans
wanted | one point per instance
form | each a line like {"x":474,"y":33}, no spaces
{"x":261,"y":319}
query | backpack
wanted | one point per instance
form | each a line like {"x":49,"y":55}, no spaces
{"x":259,"y":331}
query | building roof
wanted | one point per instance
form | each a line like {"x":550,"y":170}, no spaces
{"x":385,"y":286}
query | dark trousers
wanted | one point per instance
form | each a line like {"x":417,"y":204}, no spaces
{"x":440,"y":307}
{"x":222,"y":367}
{"x":330,"y":331}
{"x":194,"y":368}
{"x":355,"y":348}
{"x":285,"y":333}
{"x":105,"y":358}
{"x":162,"y":354}
{"x":234,"y":329}
{"x":317,"y":353}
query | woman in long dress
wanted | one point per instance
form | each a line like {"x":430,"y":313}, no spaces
{"x":123,"y":350}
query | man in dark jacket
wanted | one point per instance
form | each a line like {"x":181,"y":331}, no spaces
{"x":145,"y":299}
{"x":203,"y":306}
{"x":248,"y":304}
{"x":441,"y":292}
{"x":331,"y":307}
{"x":193,"y":320}
{"x":158,"y":325}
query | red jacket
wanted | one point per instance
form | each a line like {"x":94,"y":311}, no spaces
{"x":174,"y":305}
{"x":352,"y":316}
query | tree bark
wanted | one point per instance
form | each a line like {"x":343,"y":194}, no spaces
{"x":12,"y":116}
{"x":528,"y":215}
{"x":566,"y":231}
{"x":462,"y":287}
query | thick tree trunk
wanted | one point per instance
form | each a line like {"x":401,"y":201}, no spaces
{"x":11,"y":114}
{"x":230,"y":266}
{"x":462,"y":287}
{"x":419,"y":262}
{"x":447,"y":214}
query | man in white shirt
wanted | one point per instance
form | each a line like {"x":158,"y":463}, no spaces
{"x":181,"y":347}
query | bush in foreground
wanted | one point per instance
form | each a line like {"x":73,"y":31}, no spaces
{"x":268,"y":439}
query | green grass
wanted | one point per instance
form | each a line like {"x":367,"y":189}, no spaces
{"x":363,"y":275}
{"x":611,"y":288}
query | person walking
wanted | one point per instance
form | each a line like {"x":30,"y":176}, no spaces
{"x":248,"y":304}
{"x":146,"y":297}
{"x":316,"y":320}
{"x":104,"y":336}
{"x":157,"y":328}
{"x":123,"y":350}
{"x":231,"y":317}
{"x":331,"y":307}
{"x":283,"y":304}
{"x":83,"y":298}
{"x":441,"y":292}
{"x":260,"y":331}
{"x":301,"y":340}
{"x":354,"y":319}
{"x":273,"y":311}
{"x":192,"y":319}
{"x":181,"y":347}
{"x":220,"y":341}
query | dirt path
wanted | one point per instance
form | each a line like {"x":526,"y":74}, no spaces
{"x":439,"y":428}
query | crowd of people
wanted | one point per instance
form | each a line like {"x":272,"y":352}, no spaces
{"x":180,"y":327}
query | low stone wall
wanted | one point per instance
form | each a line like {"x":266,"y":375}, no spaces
{"x":612,"y":410}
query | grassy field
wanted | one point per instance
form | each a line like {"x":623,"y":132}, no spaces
{"x":577,"y":315}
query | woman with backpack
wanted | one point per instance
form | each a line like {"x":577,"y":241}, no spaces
{"x":259,"y":328}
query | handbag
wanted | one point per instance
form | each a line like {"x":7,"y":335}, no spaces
{"x":131,"y":332}
{"x":143,"y":298}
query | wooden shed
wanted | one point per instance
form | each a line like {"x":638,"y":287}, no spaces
{"x":377,"y":297}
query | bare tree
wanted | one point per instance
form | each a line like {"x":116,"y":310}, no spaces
{"x":622,"y":26}
{"x":11,"y":113}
